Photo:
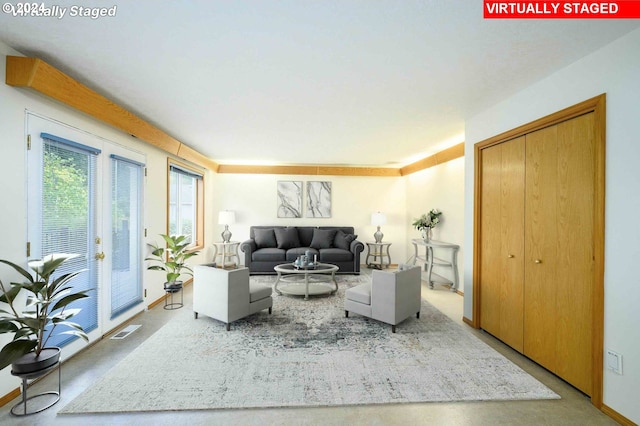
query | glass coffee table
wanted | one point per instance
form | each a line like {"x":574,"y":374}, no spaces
{"x":314,"y":281}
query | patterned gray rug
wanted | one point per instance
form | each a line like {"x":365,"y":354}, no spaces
{"x":306,"y":354}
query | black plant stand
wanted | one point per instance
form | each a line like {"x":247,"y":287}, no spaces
{"x":171,"y":290}
{"x":34,"y":375}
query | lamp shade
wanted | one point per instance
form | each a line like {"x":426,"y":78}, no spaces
{"x":226,"y":217}
{"x":378,"y":219}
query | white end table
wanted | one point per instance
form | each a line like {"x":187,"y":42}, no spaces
{"x":226,"y":252}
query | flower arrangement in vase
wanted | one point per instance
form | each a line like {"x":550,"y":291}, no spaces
{"x":427,"y":222}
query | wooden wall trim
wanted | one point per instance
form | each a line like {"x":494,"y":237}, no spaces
{"x":37,"y":75}
{"x":310,"y":170}
{"x":5,"y":399}
{"x":617,"y":416}
{"x":597,"y":105}
{"x":448,"y":154}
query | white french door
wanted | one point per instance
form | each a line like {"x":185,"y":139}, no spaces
{"x":85,"y":197}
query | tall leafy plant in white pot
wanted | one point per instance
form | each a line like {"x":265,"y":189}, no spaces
{"x":45,"y":309}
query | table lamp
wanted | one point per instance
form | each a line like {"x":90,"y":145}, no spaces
{"x":378,"y":219}
{"x":226,"y":218}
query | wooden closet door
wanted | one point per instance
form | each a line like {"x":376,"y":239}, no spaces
{"x":512,"y":243}
{"x":502,"y":224}
{"x":575,"y":270}
{"x":491,"y":263}
{"x":541,"y":247}
{"x":559,"y":249}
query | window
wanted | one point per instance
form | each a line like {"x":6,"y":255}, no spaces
{"x":186,"y":202}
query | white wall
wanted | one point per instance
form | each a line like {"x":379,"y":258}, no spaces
{"x":440,"y":187}
{"x":13,"y":222}
{"x":253,"y":198}
{"x":614,"y":70}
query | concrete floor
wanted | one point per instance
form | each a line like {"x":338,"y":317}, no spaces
{"x":85,"y":368}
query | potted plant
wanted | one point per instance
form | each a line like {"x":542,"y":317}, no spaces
{"x":427,"y":222}
{"x":172,"y":260}
{"x":45,"y":310}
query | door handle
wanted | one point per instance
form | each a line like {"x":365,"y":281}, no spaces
{"x":538,"y":261}
{"x":510,"y":256}
{"x":99,"y":256}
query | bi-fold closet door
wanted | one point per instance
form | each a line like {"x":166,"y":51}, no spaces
{"x":537,"y":252}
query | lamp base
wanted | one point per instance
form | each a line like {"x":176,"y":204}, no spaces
{"x":378,"y":235}
{"x":226,"y":234}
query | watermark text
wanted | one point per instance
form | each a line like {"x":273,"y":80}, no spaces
{"x":37,"y":10}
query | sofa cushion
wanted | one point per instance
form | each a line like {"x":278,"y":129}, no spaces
{"x":258,"y":291}
{"x":265,"y":238}
{"x":268,"y":255}
{"x":305,"y":233}
{"x":343,"y":240}
{"x":292,"y":254}
{"x":287,"y":238}
{"x":335,"y":255}
{"x":360,"y":293}
{"x":323,"y":238}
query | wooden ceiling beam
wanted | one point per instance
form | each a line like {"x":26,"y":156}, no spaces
{"x":443,"y":156}
{"x":35,"y":74}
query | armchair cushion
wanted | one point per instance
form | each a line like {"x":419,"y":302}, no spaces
{"x":360,"y":293}
{"x":258,"y":292}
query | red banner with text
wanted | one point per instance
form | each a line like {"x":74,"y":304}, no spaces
{"x":626,"y":9}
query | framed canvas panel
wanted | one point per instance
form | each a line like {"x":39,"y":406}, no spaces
{"x":289,"y":199}
{"x":318,"y":199}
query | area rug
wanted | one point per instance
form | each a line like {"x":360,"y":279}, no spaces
{"x":306,"y":354}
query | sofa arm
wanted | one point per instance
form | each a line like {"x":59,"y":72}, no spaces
{"x":356,"y":247}
{"x":248,"y":247}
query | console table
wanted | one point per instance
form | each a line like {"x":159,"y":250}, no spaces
{"x":226,"y":252}
{"x":430,"y":261}
{"x":378,"y":251}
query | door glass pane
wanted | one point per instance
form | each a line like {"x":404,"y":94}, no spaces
{"x":68,"y":223}
{"x":126,"y":225}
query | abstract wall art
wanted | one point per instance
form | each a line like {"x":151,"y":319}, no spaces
{"x":289,"y":199}
{"x":318,"y":199}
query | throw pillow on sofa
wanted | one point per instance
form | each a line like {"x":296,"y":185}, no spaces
{"x":287,"y":238}
{"x":343,"y":240}
{"x":323,"y":238}
{"x":265,"y":238}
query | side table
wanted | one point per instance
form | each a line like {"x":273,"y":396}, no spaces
{"x":34,"y":375}
{"x":379,"y":251}
{"x":226,"y":252}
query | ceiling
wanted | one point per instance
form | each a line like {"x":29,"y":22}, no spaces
{"x":335,"y":82}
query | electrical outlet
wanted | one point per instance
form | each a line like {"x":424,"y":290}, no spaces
{"x":614,"y":361}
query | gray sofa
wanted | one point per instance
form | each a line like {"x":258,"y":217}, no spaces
{"x":269,"y":246}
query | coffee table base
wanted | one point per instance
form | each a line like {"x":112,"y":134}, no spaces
{"x":301,"y":289}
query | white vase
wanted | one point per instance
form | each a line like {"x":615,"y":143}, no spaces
{"x":426,"y":234}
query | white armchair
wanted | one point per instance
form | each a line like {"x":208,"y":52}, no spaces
{"x":390,"y":297}
{"x":227,"y":295}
